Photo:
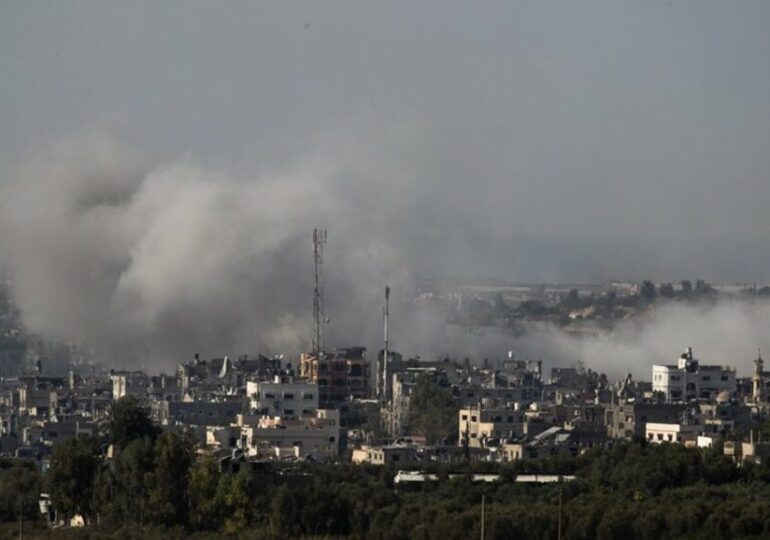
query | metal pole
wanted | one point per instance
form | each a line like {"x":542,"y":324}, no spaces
{"x":560,"y":492}
{"x":482,"y":516}
{"x":384,"y":380}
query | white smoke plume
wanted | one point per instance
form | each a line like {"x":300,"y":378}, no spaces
{"x":153,"y":260}
{"x":166,"y":260}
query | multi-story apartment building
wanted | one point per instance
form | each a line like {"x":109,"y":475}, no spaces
{"x":283,"y":396}
{"x":689,"y":380}
{"x":339,"y":375}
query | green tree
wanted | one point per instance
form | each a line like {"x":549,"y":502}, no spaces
{"x":129,"y":421}
{"x":19,"y":490}
{"x":432,"y":411}
{"x":169,"y":495}
{"x":206,"y":509}
{"x":74,"y":466}
{"x":123,"y":487}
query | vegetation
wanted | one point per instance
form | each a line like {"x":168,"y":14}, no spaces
{"x":157,"y":488}
{"x":432,"y":411}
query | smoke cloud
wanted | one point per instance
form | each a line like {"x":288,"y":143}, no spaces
{"x":166,"y":260}
{"x":152,"y":262}
{"x":518,"y":140}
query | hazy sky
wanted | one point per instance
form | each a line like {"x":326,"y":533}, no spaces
{"x":638,"y":130}
{"x":526,"y":140}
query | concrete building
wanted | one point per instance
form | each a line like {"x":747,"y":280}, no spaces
{"x":689,"y":380}
{"x":339,"y":375}
{"x":196,"y":413}
{"x":686,"y":434}
{"x":478,"y":426}
{"x":283,"y":396}
{"x":385,"y":455}
{"x":129,"y":383}
{"x":318,"y":438}
{"x":629,"y":420}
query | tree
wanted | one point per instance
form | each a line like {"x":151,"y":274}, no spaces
{"x":169,"y":494}
{"x":647,"y":290}
{"x":666,"y":290}
{"x":129,"y":421}
{"x":19,"y":489}
{"x":686,"y":287}
{"x":206,"y":509}
{"x":702,"y":288}
{"x":123,"y":488}
{"x":74,"y":465}
{"x":432,"y":411}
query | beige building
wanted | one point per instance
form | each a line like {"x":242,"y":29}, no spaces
{"x":277,"y":437}
{"x":479,"y":425}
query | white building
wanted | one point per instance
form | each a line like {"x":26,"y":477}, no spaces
{"x":283,"y":396}
{"x":685,"y":434}
{"x":689,"y":380}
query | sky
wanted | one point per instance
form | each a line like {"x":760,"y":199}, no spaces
{"x":163,"y":163}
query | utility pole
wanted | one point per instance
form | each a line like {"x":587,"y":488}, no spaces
{"x":319,"y":319}
{"x":383,"y":371}
{"x":482,"y":515}
{"x":561,"y":488}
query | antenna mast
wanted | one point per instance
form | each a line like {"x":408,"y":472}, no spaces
{"x":383,"y":371}
{"x":319,"y":319}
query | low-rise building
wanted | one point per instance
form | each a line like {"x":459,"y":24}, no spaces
{"x":686,"y":434}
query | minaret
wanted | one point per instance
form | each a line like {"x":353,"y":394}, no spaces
{"x":758,"y":387}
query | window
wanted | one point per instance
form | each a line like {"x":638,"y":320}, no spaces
{"x":707,"y":377}
{"x":288,"y":395}
{"x":724,"y":377}
{"x":307,"y":396}
{"x":464,"y":417}
{"x":473,"y":418}
{"x":288,"y":411}
{"x":269,"y":395}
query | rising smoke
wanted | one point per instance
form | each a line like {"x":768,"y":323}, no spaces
{"x":151,"y":261}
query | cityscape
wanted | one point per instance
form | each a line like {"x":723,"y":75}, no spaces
{"x":347,"y":270}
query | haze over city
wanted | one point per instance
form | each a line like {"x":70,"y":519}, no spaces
{"x":163,"y":166}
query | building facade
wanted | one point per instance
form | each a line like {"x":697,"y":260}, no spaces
{"x":689,"y":380}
